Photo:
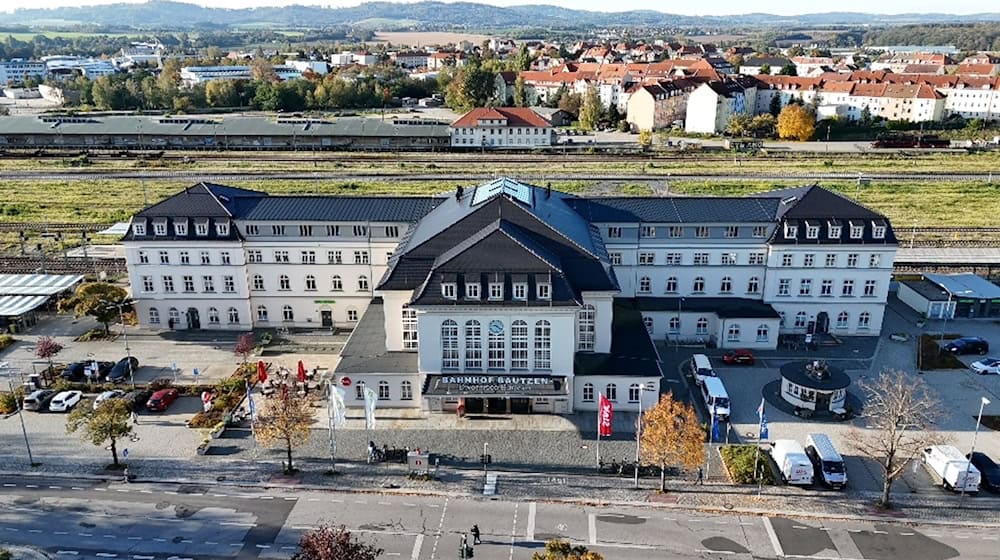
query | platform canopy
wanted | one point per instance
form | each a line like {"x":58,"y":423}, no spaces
{"x":21,"y":293}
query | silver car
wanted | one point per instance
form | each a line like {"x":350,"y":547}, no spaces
{"x":986,"y":366}
{"x":108,"y":395}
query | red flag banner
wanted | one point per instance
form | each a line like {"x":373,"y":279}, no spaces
{"x":302,"y":372}
{"x":261,"y":372}
{"x":605,"y":413}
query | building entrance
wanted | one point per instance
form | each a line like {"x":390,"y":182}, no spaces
{"x":326,"y":319}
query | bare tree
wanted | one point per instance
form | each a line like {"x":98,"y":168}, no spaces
{"x":900,"y":412}
{"x":334,"y":543}
{"x":245,"y":346}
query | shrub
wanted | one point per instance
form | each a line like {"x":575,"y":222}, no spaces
{"x":931,"y":356}
{"x":5,"y":554}
{"x":6,"y":340}
{"x":206,"y":419}
{"x":8,"y":402}
{"x":740,"y":461}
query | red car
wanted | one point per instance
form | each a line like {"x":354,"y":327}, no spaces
{"x":162,"y":399}
{"x":741,"y":356}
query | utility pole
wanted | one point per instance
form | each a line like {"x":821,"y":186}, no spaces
{"x":24,"y":429}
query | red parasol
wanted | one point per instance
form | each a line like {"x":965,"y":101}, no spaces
{"x":261,"y":372}
{"x":302,"y":372}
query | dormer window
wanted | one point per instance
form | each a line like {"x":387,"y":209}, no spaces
{"x":791,"y":231}
{"x":834,"y":230}
{"x":139,"y":228}
{"x":496,"y":291}
{"x":160,"y":228}
{"x":449,"y":290}
{"x":253,"y":229}
{"x":857,"y":230}
{"x":544,"y":290}
{"x":520,"y":291}
{"x":472,"y":290}
{"x":878,"y":230}
{"x":277,"y":230}
{"x":222,"y":228}
{"x":812,"y":231}
{"x":201,"y":228}
{"x":180,"y":227}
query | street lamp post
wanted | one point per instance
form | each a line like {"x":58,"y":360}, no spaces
{"x":128,"y":351}
{"x":24,"y":429}
{"x":638,"y":430}
{"x":968,"y":465}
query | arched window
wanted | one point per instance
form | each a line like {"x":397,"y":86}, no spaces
{"x":762,"y":333}
{"x":154,"y":316}
{"x":543,"y":345}
{"x":864,"y":320}
{"x":261,"y":313}
{"x":519,"y":345}
{"x":648,"y":322}
{"x":234,"y":315}
{"x":383,"y":390}
{"x":258,"y":282}
{"x":699,"y":285}
{"x":701,"y":327}
{"x":733,"y":333}
{"x":645,"y":285}
{"x":473,"y":345}
{"x":284,"y":283}
{"x":585,"y":329}
{"x":409,"y":328}
{"x":359,"y":391}
{"x":449,"y":344}
{"x":336,"y":284}
{"x":726,"y":285}
{"x":800,"y":320}
{"x":611,"y":392}
{"x":671,"y":285}
{"x":753,"y":285}
{"x":496,"y":349}
{"x":842,"y":319}
{"x":363,"y":283}
{"x":287,"y":314}
{"x":213,"y":316}
{"x":588,"y":392}
{"x":674,"y":325}
{"x":175,"y":316}
{"x":406,"y":391}
{"x":310,"y":283}
{"x":633,"y":393}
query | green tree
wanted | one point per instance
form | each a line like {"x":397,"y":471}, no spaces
{"x":739,"y":124}
{"x":98,"y":300}
{"x":520,"y":95}
{"x":763,"y":126}
{"x":590,"y":109}
{"x":261,"y":69}
{"x":556,"y":549}
{"x":108,"y":423}
{"x":788,"y":70}
{"x":796,"y":51}
{"x":221,"y":93}
{"x":774,"y":108}
{"x":645,"y":139}
{"x":765,"y":69}
{"x":523,"y":60}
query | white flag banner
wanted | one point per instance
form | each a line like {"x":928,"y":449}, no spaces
{"x":338,"y":410}
{"x":370,"y":398}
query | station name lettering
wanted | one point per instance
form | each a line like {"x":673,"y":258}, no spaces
{"x":493,"y":380}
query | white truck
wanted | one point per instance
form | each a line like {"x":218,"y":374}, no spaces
{"x":828,"y":464}
{"x":793,"y":463}
{"x":954,"y":470}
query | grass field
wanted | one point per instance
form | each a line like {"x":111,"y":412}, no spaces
{"x":907,"y":204}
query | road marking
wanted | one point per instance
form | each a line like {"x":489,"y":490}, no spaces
{"x":220,"y":495}
{"x":294,"y":547}
{"x":76,"y":488}
{"x":530,"y":532}
{"x":56,"y":487}
{"x":291,"y":498}
{"x":109,"y":536}
{"x":592,"y":528}
{"x":360,"y":502}
{"x":337,"y":501}
{"x":72,"y":552}
{"x":437,"y":534}
{"x":210,"y":543}
{"x":145,"y":491}
{"x":170,"y":493}
{"x":8,"y":485}
{"x":121,"y":490}
{"x":159,"y":540}
{"x":418,"y":543}
{"x":100,"y":489}
{"x":61,"y":533}
{"x":237,"y":524}
{"x":877,"y":532}
{"x":34,"y":530}
{"x":907,"y":534}
{"x":313,"y":499}
{"x":775,"y":543}
{"x":185,"y":541}
{"x":961,"y":536}
{"x":710,"y":551}
{"x":267,"y":497}
{"x":854,"y":530}
{"x":800,"y":527}
{"x":135,"y":538}
{"x":85,"y":534}
{"x":989,"y":538}
{"x":263,"y":546}
{"x":434,"y":505}
{"x":140,"y":557}
{"x":513,"y":534}
{"x":236,"y":544}
{"x":409,"y":505}
{"x":31,"y":486}
{"x":385,"y":503}
{"x":11,"y":529}
{"x":106,"y":555}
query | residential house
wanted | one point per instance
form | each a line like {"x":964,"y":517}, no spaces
{"x":653,"y":106}
{"x":501,"y":127}
{"x":712,"y":104}
{"x":752,"y":66}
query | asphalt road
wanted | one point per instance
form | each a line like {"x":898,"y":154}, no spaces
{"x":170,"y":522}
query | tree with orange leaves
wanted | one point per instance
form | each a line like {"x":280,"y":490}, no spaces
{"x":672,"y":435}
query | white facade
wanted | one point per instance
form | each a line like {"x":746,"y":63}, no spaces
{"x":17,"y":69}
{"x":316,"y":66}
{"x":708,"y":111}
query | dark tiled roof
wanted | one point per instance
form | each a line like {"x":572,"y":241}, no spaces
{"x":365,"y":350}
{"x":927,"y":289}
{"x":803,"y":206}
{"x":204,"y":200}
{"x":677,"y":209}
{"x":632,"y":350}
{"x":430,"y":294}
{"x":725,"y":308}
{"x":340,"y":208}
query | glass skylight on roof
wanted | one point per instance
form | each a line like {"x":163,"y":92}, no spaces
{"x":504,"y":185}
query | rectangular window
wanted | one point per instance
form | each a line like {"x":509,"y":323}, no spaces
{"x":222,"y":229}
{"x":201,"y":228}
{"x":180,"y":228}
{"x":308,"y":257}
{"x":224,"y":255}
{"x":701,"y":258}
{"x":160,"y":228}
{"x":392,"y":231}
{"x":185,"y":257}
{"x":760,"y":232}
{"x":812,"y":232}
{"x":305,"y":231}
{"x":205,"y":258}
{"x":449,"y":290}
{"x":333,"y":231}
{"x":277,"y":230}
{"x":874,"y":260}
{"x":848,"y":288}
{"x":496,"y":291}
{"x":519,"y":345}
{"x":616,"y":259}
{"x":833,"y":230}
{"x":676,"y":231}
{"x":878,"y":232}
{"x":674,"y":258}
{"x":168,"y":284}
{"x":729,"y":258}
{"x":360,"y":231}
{"x":335,"y":257}
{"x":544,"y":291}
{"x":253,"y":229}
{"x":615,"y":232}
{"x":360,"y":257}
{"x":871,"y":287}
{"x":808,"y":259}
{"x":143,"y":257}
{"x":207,"y":284}
{"x":147,"y":284}
{"x":647,"y":232}
{"x":701,"y":232}
{"x":852,"y":260}
{"x":281,"y":257}
{"x":757,"y":258}
{"x":520,"y":291}
{"x":784,"y":285}
{"x":646,"y":258}
{"x":228,"y":284}
{"x":255,"y":256}
{"x":732,"y":232}
{"x":857,"y":232}
{"x":188,"y":284}
{"x":826,"y":288}
{"x":139,"y":229}
{"x":786,"y":259}
{"x":791,"y":232}
{"x":805,"y":287}
{"x":831,"y":260}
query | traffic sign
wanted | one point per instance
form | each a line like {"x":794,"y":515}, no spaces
{"x":345,"y":381}
{"x":125,"y":453}
{"x":195,"y":372}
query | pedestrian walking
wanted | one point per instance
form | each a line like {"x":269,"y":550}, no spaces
{"x":126,"y":475}
{"x":371,"y":451}
{"x":475,"y":535}
{"x":701,"y":476}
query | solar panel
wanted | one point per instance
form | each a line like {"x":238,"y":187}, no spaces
{"x":504,"y":185}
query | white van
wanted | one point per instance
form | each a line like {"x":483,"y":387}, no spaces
{"x":954,"y":470}
{"x":828,"y":465}
{"x":792,"y":461}
{"x":701,"y":367}
{"x":716,"y":397}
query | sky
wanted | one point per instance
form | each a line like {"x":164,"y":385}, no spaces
{"x":718,"y":7}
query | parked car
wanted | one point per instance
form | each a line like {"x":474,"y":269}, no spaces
{"x":967,"y":345}
{"x":162,"y":399}
{"x":988,"y":469}
{"x":986,"y":366}
{"x":74,"y":371}
{"x":108,"y":395}
{"x":120,"y":372}
{"x":741,"y":356}
{"x":38,"y":400}
{"x":135,"y":399}
{"x":65,"y":401}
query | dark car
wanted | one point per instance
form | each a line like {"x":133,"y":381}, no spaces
{"x":121,"y":371}
{"x":135,"y":399}
{"x":989,"y":470}
{"x":162,"y":399}
{"x":741,"y":356}
{"x":74,"y":371}
{"x":967,"y":345}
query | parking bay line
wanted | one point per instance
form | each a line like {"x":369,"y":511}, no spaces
{"x":773,"y":537}
{"x":530,"y":533}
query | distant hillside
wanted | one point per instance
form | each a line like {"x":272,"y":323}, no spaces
{"x":165,"y":14}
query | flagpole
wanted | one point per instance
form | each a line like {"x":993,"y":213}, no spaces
{"x":598,"y":437}
{"x":760,"y":430}
{"x":711,"y":443}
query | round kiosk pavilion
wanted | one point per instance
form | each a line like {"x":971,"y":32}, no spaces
{"x":814,"y":385}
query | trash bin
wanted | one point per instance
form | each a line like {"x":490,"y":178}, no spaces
{"x":418,"y":461}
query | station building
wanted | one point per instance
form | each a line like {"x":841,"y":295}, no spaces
{"x":508,"y":297}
